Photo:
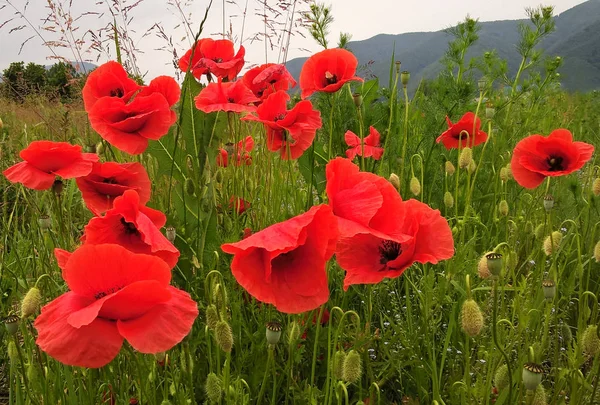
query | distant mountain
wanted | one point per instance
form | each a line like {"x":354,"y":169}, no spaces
{"x":80,"y":67}
{"x":576,"y":39}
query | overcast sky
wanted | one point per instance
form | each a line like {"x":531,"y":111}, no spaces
{"x":361,"y":18}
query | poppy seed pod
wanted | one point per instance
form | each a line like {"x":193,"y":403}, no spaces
{"x":13,"y":352}
{"x":170,"y":233}
{"x":501,"y":377}
{"x":395,"y":180}
{"x":503,"y":208}
{"x":539,"y":398}
{"x":405,"y":77}
{"x":448,"y":199}
{"x":596,"y":187}
{"x":12,"y":324}
{"x":597,"y":252}
{"x":471,"y":318}
{"x":358,"y":99}
{"x":31,"y":302}
{"x":494,"y":263}
{"x":590,"y":343}
{"x":490,"y":112}
{"x":415,"y":186}
{"x":214,"y":388}
{"x":273,"y":332}
{"x":398,"y":64}
{"x":449,"y":168}
{"x":352,"y":370}
{"x":552,"y":243}
{"x":212,"y":316}
{"x":548,"y":202}
{"x":549,"y":287}
{"x":482,"y":84}
{"x":465,"y":158}
{"x":44,"y":222}
{"x":532,"y":375}
{"x":224,"y":336}
{"x":338,"y":364}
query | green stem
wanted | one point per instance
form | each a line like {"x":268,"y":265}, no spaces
{"x":263,"y":386}
{"x":405,"y":138}
{"x":497,"y":344}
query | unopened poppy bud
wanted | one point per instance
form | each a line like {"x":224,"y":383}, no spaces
{"x":472,"y":167}
{"x":465,"y":158}
{"x":293,"y":333}
{"x":539,"y":398}
{"x":532,"y":375}
{"x":415,"y":186}
{"x":482,"y":268}
{"x":405,"y":78}
{"x":190,"y":188}
{"x":358,"y":99}
{"x":13,"y":353}
{"x":1,"y":124}
{"x":494,"y":263}
{"x":170,"y":233}
{"x":224,"y":336}
{"x":395,"y":180}
{"x":214,"y":388}
{"x":31,"y":302}
{"x":548,"y":202}
{"x":597,"y":252}
{"x":471,"y":318}
{"x":57,"y":187}
{"x":11,"y":323}
{"x":503,"y":208}
{"x":166,"y":402}
{"x":490,"y":112}
{"x":99,"y":148}
{"x":352,"y":370}
{"x":528,"y":228}
{"x":504,"y":174}
{"x":273,"y":332}
{"x":549,"y":287}
{"x":539,"y":231}
{"x":552,"y":243}
{"x":212,"y":316}
{"x":220,"y":295}
{"x":160,"y":357}
{"x":44,"y":222}
{"x":590,"y":343}
{"x":501,"y":377}
{"x":449,"y":168}
{"x":338,"y":364}
{"x":448,"y":199}
{"x":32,"y":372}
{"x":596,"y":187}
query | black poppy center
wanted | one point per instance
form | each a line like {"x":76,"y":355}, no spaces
{"x":231,"y":100}
{"x":108,"y":291}
{"x":389,"y":251}
{"x":462,"y":135}
{"x":555,"y":163}
{"x":218,"y":60}
{"x":130,"y":228}
{"x":118,"y":92}
{"x":330,"y":78}
{"x":279,"y":117}
{"x":109,"y":180}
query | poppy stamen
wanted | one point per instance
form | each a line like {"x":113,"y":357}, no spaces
{"x":279,"y":117}
{"x":118,"y":92}
{"x":555,"y":163}
{"x":389,"y":251}
{"x":130,"y":228}
{"x":330,"y":78}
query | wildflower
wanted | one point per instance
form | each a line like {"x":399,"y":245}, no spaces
{"x":462,"y":132}
{"x":380,"y":235}
{"x":552,"y":243}
{"x":214,"y":388}
{"x":352,"y":369}
{"x":328,"y":71}
{"x":371,"y":147}
{"x":110,"y":180}
{"x":238,"y":205}
{"x":114,"y":295}
{"x":284,"y":264}
{"x":267,"y":79}
{"x":108,"y":80}
{"x":415,"y":186}
{"x":289,"y":132}
{"x":537,"y":157}
{"x":532,"y":375}
{"x":465,"y":158}
{"x":241,"y":151}
{"x":31,"y":302}
{"x":590,"y":343}
{"x":44,"y":160}
{"x":273,"y":332}
{"x":213,"y":57}
{"x":471,"y":318}
{"x":224,"y":336}
{"x":230,"y":96}
{"x":133,"y":226}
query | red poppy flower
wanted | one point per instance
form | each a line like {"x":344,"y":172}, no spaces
{"x":214,"y":57}
{"x":134,"y":227}
{"x":44,"y":160}
{"x":328,"y":71}
{"x":241,"y":150}
{"x":110,"y":180}
{"x":230,"y":96}
{"x":417,"y":234}
{"x":463,"y":131}
{"x":108,"y":80}
{"x":165,"y":86}
{"x":360,"y":200}
{"x":289,"y":132}
{"x":372,"y":146}
{"x":537,"y":157}
{"x":114,"y":294}
{"x":238,"y":204}
{"x":266,"y":79}
{"x":284,"y":264}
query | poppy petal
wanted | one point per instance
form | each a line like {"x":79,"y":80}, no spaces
{"x":29,"y":176}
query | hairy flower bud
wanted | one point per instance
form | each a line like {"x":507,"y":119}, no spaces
{"x":224,"y":336}
{"x":503,"y":208}
{"x":482,"y":267}
{"x":31,"y":302}
{"x":465,"y":158}
{"x":501,"y":377}
{"x":449,"y":168}
{"x":352,"y":370}
{"x":552,"y":243}
{"x":338,"y":365}
{"x":504,"y":174}
{"x":45,"y":222}
{"x":448,"y":199}
{"x":539,"y":231}
{"x":190,"y":187}
{"x":214,"y":388}
{"x":472,"y":167}
{"x":596,"y":187}
{"x":293,"y":333}
{"x":590,"y":343}
{"x":13,"y":353}
{"x":415,"y":186}
{"x":511,"y":260}
{"x":395,"y":180}
{"x":212,"y":316}
{"x":539,"y":398}
{"x":471,"y":318}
